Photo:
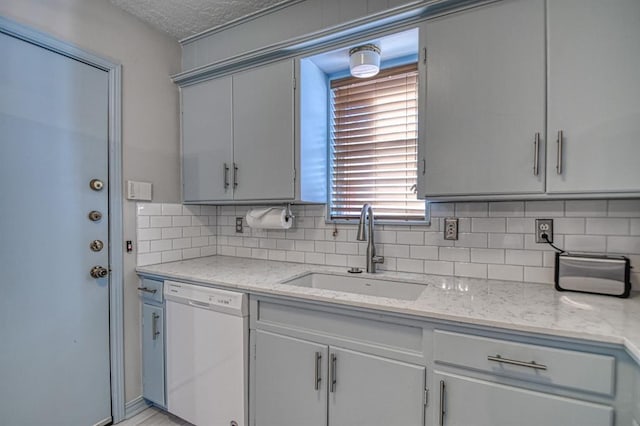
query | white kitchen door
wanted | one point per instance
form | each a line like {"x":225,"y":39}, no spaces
{"x":54,"y":316}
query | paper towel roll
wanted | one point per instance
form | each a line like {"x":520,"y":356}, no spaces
{"x":269,"y":218}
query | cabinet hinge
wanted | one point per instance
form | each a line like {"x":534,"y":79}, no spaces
{"x":294,"y":83}
{"x":294,"y":175}
{"x":426,"y":397}
{"x":424,"y":165}
{"x":424,"y":55}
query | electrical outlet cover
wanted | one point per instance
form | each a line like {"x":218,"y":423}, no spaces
{"x":544,"y":226}
{"x":451,"y":228}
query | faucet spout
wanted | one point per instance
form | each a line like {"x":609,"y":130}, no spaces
{"x":372,"y":259}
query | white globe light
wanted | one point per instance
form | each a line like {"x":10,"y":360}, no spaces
{"x":364,"y":61}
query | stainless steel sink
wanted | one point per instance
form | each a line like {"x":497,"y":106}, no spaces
{"x":358,"y":284}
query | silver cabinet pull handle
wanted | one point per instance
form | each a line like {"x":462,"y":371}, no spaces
{"x":559,"y":153}
{"x":148,"y":290}
{"x":536,"y":154}
{"x":226,"y":176}
{"x":235,"y":175}
{"x":442,"y":411}
{"x":531,"y":364}
{"x":334,"y":363}
{"x":318,"y":379}
{"x":154,"y":325}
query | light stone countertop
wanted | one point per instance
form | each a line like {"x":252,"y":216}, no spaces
{"x":536,"y":308}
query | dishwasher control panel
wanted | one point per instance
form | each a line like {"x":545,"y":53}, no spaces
{"x":206,"y":297}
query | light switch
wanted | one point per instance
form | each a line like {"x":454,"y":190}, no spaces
{"x":138,"y":190}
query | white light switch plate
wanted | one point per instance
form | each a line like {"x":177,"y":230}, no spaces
{"x":138,"y":190}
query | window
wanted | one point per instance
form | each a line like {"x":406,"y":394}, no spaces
{"x":373,"y":153}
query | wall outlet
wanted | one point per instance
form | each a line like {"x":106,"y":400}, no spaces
{"x":239,"y":225}
{"x":451,"y":228}
{"x":544,"y":226}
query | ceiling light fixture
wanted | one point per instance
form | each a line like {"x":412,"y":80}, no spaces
{"x":364,"y":61}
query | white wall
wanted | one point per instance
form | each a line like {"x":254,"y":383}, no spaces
{"x":150,"y":127}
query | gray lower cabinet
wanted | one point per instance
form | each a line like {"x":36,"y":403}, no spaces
{"x":286,"y":389}
{"x":153,"y":349}
{"x":465,"y":401}
{"x":298,"y":382}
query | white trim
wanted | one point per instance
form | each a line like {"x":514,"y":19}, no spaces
{"x":116,"y":308}
{"x":135,"y":406}
{"x":250,"y":17}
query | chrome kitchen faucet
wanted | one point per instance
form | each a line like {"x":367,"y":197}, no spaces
{"x":372,"y":259}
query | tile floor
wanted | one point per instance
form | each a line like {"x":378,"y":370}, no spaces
{"x":154,"y":417}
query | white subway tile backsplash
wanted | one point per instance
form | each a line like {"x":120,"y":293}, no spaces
{"x":171,"y":256}
{"x":584,"y":243}
{"x":479,"y":255}
{"x":294,"y":256}
{"x":410,"y":265}
{"x":568,"y":226}
{"x":538,"y":275}
{"x":181,"y":221}
{"x":148,"y":234}
{"x":160,"y":245}
{"x":496,"y":239}
{"x":471,"y":240}
{"x":544,"y":209}
{"x":171,"y":209}
{"x":423,"y":252}
{"x":505,"y":272}
{"x":623,"y":245}
{"x":160,"y":221}
{"x":586,"y":208}
{"x":624,"y":208}
{"x":608,"y":226}
{"x":456,"y":254}
{"x":149,"y":209}
{"x":488,"y":225}
{"x":512,"y":241}
{"x":410,"y":237}
{"x":506,"y":209}
{"x":471,"y":270}
{"x":438,"y":267}
{"x":169,"y":233}
{"x":523,"y":257}
{"x":472,"y":209}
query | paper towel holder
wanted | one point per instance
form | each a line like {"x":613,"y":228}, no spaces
{"x":289,"y":214}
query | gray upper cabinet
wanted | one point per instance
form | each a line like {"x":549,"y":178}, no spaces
{"x":263,"y":135}
{"x":485,"y":93}
{"x":594,"y":96}
{"x":207,"y":140}
{"x":238,"y":137}
{"x":492,"y":81}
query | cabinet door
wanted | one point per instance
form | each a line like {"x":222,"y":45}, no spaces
{"x":263,"y":132}
{"x":374,"y":391}
{"x":469,"y":401}
{"x":153,"y":353}
{"x":485,"y":97}
{"x":287,"y":393}
{"x":207,"y":141}
{"x":594,"y":95}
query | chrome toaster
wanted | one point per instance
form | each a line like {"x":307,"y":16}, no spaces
{"x":608,"y":275}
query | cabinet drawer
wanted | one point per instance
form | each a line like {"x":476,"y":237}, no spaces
{"x":151,"y":290}
{"x":549,"y":366}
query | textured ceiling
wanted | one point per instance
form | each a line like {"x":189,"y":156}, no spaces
{"x":183,"y":18}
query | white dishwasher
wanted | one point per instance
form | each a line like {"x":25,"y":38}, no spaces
{"x":207,"y":354}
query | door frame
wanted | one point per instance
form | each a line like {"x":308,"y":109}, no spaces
{"x":116,"y":284}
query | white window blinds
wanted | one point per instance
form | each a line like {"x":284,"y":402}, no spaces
{"x":374,"y":145}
